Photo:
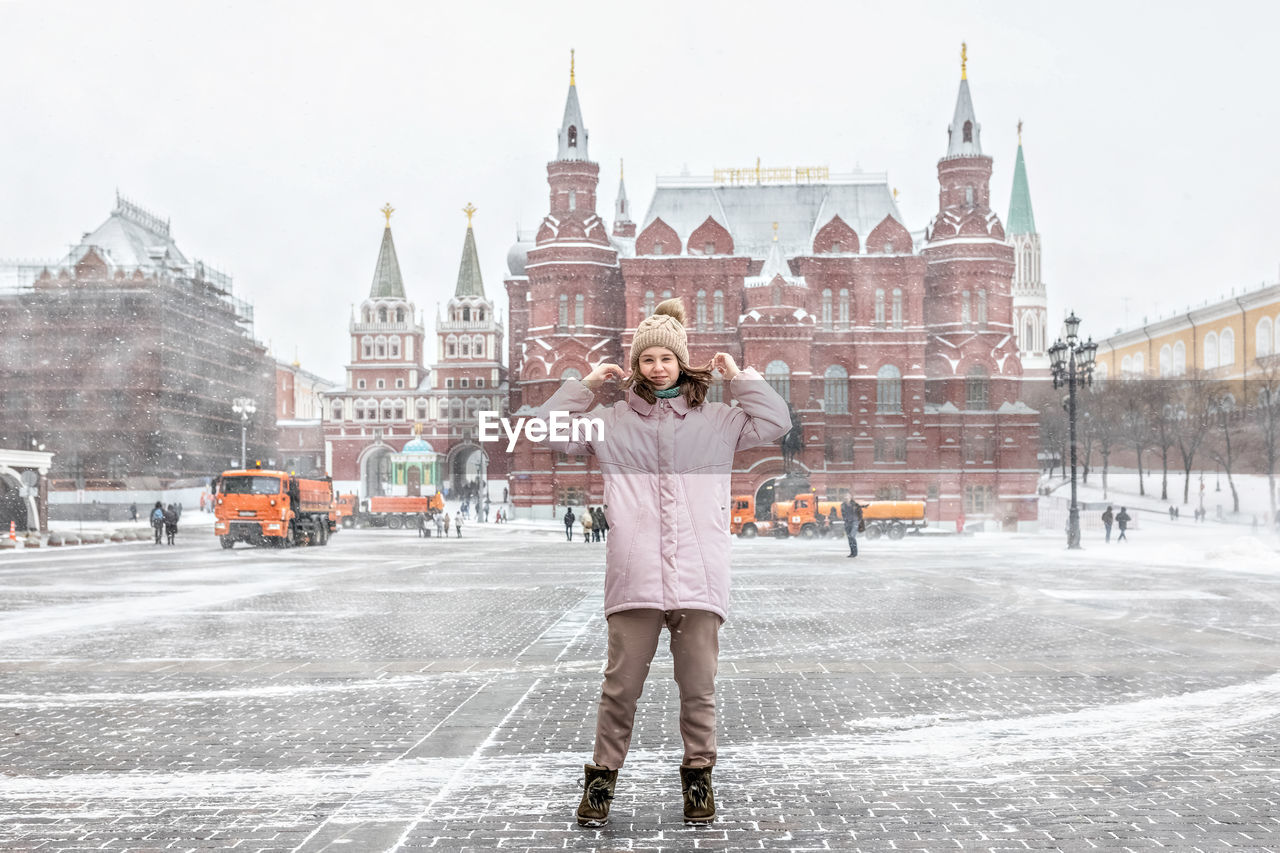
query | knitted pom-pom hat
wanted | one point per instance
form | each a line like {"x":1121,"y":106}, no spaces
{"x":665,"y":328}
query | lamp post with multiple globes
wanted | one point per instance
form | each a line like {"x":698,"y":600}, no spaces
{"x":1071,"y":362}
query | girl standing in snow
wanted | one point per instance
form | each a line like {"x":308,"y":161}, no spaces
{"x":666,"y":458}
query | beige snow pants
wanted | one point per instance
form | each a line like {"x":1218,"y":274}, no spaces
{"x":695,"y":649}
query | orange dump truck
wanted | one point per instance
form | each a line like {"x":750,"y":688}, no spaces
{"x":798,"y":517}
{"x":272,"y":508}
{"x":394,"y":512}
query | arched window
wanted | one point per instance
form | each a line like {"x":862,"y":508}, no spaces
{"x":399,"y":315}
{"x":573,"y":136}
{"x":564,"y":311}
{"x":835,"y":396}
{"x":573,"y":199}
{"x":896,"y":313}
{"x":648,"y":302}
{"x":477,"y":346}
{"x":380,"y":346}
{"x":579,"y":310}
{"x":399,"y":410}
{"x":386,"y":410}
{"x":1139,"y":364}
{"x":700,"y":310}
{"x":451,"y":346}
{"x":1179,"y":358}
{"x":1210,"y":351}
{"x":382,"y":314}
{"x":879,"y":318}
{"x":368,"y":314}
{"x":366,"y":346}
{"x":1028,"y":338}
{"x":826,"y":308}
{"x":455,"y":409}
{"x":718,"y":308}
{"x":359,"y":412}
{"x":976,"y":384}
{"x":1262,"y":338}
{"x":965,"y":317}
{"x":844,"y":306}
{"x":888,"y":390}
{"x":336,"y":410}
{"x":1126,"y":365}
{"x":570,"y":373}
{"x":778,"y":374}
{"x":982,"y":307}
{"x":1226,"y":348}
{"x":422,"y":410}
{"x":968,"y":131}
{"x":466,"y":348}
{"x":1166,"y":360}
{"x":394,"y":346}
{"x":1100,"y":372}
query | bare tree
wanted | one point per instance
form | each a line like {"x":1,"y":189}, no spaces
{"x":1163,"y":412}
{"x":1194,"y":394}
{"x":1262,"y":396}
{"x":1226,"y":417}
{"x":1136,"y":418}
{"x":1104,"y":423}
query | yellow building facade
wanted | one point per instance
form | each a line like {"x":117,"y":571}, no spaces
{"x":1225,"y":338}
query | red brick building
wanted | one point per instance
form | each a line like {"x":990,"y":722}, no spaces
{"x":397,"y":426}
{"x":895,"y":350}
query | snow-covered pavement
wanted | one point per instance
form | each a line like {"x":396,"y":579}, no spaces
{"x":392,"y":693}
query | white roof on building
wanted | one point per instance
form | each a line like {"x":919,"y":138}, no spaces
{"x":750,"y":211}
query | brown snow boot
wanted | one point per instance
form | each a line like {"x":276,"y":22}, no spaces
{"x":699,"y":799}
{"x":597,"y":793}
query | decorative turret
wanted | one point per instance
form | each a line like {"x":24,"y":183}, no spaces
{"x":572,"y":137}
{"x":470,"y":282}
{"x":1030,"y":296}
{"x":622,"y":224}
{"x":387,"y":283}
{"x":964,"y":136}
{"x":964,"y":173}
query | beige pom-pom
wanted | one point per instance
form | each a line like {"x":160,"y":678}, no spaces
{"x":672,"y":308}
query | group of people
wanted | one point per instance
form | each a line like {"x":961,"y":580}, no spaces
{"x":1120,"y":519}
{"x":442,"y":522}
{"x":164,"y":521}
{"x":595,"y":524}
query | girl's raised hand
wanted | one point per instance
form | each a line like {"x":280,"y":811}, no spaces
{"x":724,"y":363}
{"x":602,"y":372}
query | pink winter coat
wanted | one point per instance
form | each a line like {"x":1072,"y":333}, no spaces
{"x":666,"y":471}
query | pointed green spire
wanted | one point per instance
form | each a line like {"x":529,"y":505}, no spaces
{"x":386,"y":275}
{"x":469,"y":281}
{"x":1021,"y":219}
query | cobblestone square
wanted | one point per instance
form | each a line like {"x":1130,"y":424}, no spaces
{"x":393,"y":693}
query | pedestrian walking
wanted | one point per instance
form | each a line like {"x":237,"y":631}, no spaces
{"x":447,"y":522}
{"x":602,"y":523}
{"x":597,"y":532}
{"x":133,"y":512}
{"x":157,"y":520}
{"x":1122,"y":521}
{"x":422,"y":525}
{"x":170,"y":523}
{"x":569,"y":518}
{"x":667,"y":562}
{"x":588,"y":521}
{"x":457,"y":525}
{"x":1108,"y":518}
{"x":440,"y":528}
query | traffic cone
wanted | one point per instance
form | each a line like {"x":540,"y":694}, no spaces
{"x":13,"y":531}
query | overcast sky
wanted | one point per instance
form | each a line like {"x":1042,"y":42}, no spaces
{"x":270,"y":133}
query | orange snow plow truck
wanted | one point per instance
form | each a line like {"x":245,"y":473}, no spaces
{"x":272,"y":508}
{"x":798,"y":517}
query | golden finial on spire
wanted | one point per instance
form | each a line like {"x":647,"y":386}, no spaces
{"x":964,"y":61}
{"x":387,"y":210}
{"x":570,"y":66}
{"x":469,"y":210}
{"x":775,"y":232}
{"x":895,"y":193}
{"x":620,"y":172}
{"x":1019,"y":133}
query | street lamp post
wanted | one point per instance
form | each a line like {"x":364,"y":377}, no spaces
{"x":1072,"y":363}
{"x":244,"y":407}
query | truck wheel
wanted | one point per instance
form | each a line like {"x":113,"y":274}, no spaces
{"x":873,"y":531}
{"x":290,"y":537}
{"x":809,"y":531}
{"x":394,"y":522}
{"x":749,"y":531}
{"x":897,"y":530}
{"x":348,"y":522}
{"x":226,"y":541}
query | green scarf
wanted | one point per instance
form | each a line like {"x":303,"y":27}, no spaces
{"x":668,"y":393}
